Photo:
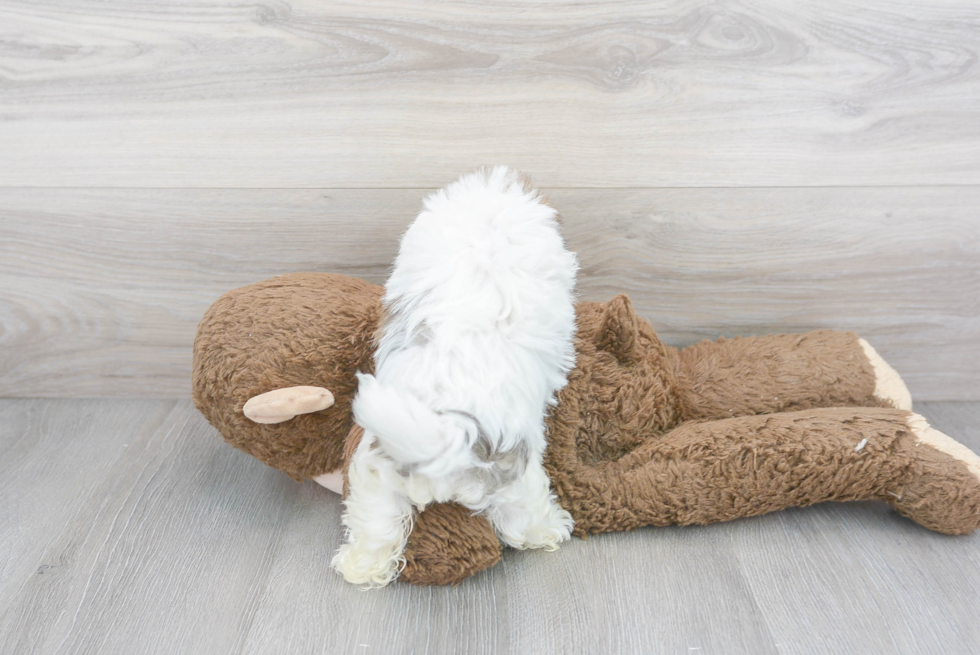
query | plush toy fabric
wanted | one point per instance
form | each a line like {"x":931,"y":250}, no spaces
{"x":644,"y":434}
{"x":305,"y":329}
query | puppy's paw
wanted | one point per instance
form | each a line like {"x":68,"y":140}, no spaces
{"x":369,"y":568}
{"x":546,"y":531}
{"x":549,"y":534}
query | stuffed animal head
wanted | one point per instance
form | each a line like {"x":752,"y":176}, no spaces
{"x":313,"y":330}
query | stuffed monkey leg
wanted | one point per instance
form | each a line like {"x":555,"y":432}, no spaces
{"x":702,"y":472}
{"x":776,"y":373}
{"x":447,"y":544}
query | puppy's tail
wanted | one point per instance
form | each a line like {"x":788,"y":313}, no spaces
{"x":412,"y":434}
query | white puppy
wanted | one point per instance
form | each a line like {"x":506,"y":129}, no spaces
{"x":477,"y":338}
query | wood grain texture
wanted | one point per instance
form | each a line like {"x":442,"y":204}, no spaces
{"x":859,"y":565}
{"x":55,"y":459}
{"x":101,"y":290}
{"x":151,"y":559}
{"x":396,"y":94}
{"x":737,"y":168}
{"x":129,"y":526}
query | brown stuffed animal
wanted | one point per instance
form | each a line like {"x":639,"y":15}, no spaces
{"x":643,"y":434}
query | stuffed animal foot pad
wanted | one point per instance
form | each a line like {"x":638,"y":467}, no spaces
{"x":943,"y":491}
{"x":889,"y":385}
{"x":932,"y":437}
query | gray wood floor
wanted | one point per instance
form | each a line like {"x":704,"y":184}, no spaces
{"x":128,"y":526}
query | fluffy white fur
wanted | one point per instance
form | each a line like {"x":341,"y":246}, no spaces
{"x":478,"y":337}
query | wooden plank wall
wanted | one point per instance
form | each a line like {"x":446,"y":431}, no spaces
{"x":736,"y":168}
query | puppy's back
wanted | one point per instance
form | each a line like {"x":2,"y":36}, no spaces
{"x":478,"y":331}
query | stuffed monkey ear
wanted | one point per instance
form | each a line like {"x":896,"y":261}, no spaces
{"x":619,"y":333}
{"x":281,"y":405}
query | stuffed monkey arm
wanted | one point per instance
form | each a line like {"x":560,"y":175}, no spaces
{"x":702,"y":472}
{"x":448,"y":543}
{"x":775,"y":373}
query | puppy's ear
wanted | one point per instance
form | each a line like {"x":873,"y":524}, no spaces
{"x":619,"y":331}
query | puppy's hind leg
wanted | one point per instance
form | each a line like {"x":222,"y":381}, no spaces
{"x":525,"y":514}
{"x":378,"y":517}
